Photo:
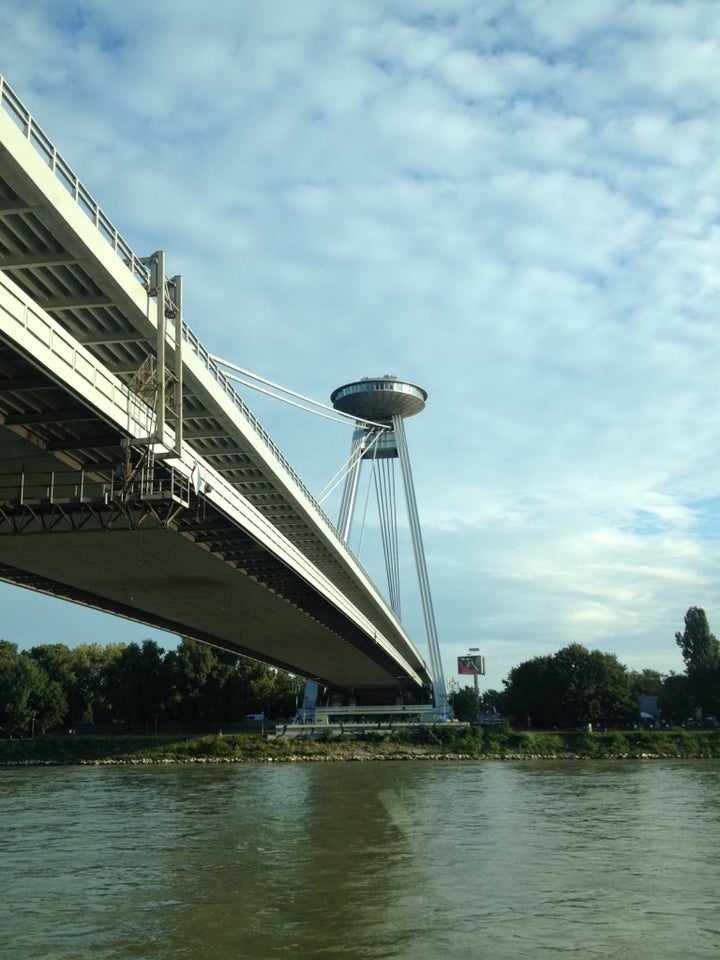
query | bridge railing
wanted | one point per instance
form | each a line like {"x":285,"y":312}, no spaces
{"x":217,"y":374}
{"x":38,"y":333}
{"x":67,"y":487}
{"x":24,"y":120}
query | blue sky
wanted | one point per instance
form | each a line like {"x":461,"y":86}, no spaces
{"x":514,"y":205}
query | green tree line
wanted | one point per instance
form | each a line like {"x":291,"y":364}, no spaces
{"x":198,"y":686}
{"x":576,"y":686}
{"x":139,"y":685}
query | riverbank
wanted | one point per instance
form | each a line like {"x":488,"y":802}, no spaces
{"x":425,"y":743}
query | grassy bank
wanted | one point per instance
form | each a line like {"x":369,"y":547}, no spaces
{"x":430,"y":742}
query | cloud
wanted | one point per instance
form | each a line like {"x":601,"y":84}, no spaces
{"x":514,"y":205}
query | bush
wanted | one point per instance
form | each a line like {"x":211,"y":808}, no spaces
{"x":439,"y":738}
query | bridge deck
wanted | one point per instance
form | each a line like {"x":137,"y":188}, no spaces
{"x":250,"y":561}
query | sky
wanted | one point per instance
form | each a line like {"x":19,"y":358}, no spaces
{"x":514,"y":205}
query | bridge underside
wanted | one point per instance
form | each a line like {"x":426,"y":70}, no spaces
{"x":102,"y":381}
{"x":175,"y":563}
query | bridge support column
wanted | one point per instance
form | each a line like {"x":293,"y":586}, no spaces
{"x":380,"y":407}
{"x":167,"y":384}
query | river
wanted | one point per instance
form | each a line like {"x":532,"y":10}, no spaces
{"x":356,"y":860}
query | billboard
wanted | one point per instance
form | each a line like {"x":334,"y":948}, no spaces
{"x":471,"y":664}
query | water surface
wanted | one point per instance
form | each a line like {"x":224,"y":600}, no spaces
{"x":406,"y":860}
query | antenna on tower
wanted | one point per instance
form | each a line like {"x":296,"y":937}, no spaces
{"x":382,"y":404}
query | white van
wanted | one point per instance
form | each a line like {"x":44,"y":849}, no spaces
{"x":254,"y":716}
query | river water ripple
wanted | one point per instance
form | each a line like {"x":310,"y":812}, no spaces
{"x":351,"y":861}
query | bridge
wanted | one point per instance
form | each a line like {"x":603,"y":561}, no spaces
{"x":133,"y":477}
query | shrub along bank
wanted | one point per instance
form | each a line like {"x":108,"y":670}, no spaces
{"x":433,"y":742}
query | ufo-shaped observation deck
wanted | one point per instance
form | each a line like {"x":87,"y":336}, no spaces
{"x":379,"y":398}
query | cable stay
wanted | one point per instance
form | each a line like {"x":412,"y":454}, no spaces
{"x":277,"y":392}
{"x":357,"y":453}
{"x":382,"y":480}
{"x":373,"y":460}
{"x":337,"y":415}
{"x":384,"y":473}
{"x":361,"y":538}
{"x":365,"y":446}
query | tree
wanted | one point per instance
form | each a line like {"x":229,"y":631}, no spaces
{"x":701,"y":653}
{"x":254,"y":687}
{"x":465,"y":704}
{"x":29,"y":699}
{"x":490,"y":701}
{"x":138,"y":684}
{"x":56,"y":660}
{"x":282,"y":703}
{"x":646,"y":683}
{"x":191,"y":667}
{"x":8,"y":660}
{"x":20,"y":679}
{"x":92,"y":665}
{"x":48,"y":701}
{"x":529,"y":693}
{"x":675,"y":701}
{"x":574,"y":687}
{"x":592,"y":687}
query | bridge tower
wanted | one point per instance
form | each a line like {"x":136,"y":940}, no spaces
{"x":379,"y":406}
